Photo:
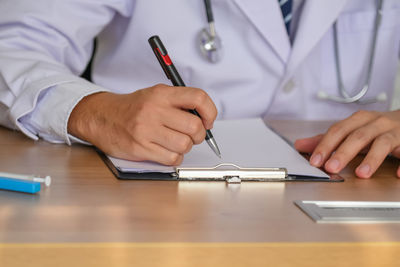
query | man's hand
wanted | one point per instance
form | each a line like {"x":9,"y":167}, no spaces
{"x":149,"y":124}
{"x":376,"y":132}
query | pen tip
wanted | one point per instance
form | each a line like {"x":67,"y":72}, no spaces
{"x":211,"y":142}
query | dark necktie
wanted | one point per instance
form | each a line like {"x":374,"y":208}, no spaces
{"x":286,"y":7}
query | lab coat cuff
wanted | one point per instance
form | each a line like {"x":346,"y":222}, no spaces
{"x":74,"y":139}
{"x":44,"y":108}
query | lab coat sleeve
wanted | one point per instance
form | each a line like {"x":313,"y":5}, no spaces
{"x":44,"y":47}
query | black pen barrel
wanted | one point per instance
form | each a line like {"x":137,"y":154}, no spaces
{"x":172,"y":73}
{"x":174,"y":76}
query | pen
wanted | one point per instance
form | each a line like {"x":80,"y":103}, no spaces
{"x":172,"y":74}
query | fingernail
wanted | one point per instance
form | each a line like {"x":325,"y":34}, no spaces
{"x":364,"y":170}
{"x":333,"y":165}
{"x":316,"y":160}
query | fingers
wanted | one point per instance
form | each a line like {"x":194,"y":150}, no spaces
{"x":164,"y":156}
{"x":359,"y":139}
{"x":335,"y":135}
{"x":376,"y":133}
{"x":166,"y":147}
{"x":156,"y":142}
{"x":172,"y":140}
{"x":380,"y":148}
{"x":307,"y":145}
{"x":186,"y":123}
{"x":193,"y":98}
{"x":162,"y":125}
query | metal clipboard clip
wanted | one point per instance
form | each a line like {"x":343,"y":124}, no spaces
{"x":231,"y":173}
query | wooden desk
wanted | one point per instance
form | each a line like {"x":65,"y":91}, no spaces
{"x":87,"y":217}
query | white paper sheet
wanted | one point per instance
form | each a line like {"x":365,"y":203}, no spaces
{"x":247,"y":143}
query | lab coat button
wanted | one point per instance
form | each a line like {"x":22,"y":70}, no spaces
{"x":289,"y":86}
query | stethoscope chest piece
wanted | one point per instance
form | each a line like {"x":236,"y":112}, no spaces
{"x":210,"y":46}
{"x":209,"y":42}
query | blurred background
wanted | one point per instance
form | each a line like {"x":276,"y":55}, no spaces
{"x":396,"y":98}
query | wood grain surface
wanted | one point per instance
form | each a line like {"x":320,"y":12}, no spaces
{"x":87,"y":205}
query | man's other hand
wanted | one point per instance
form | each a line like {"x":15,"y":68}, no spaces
{"x":378,"y":133}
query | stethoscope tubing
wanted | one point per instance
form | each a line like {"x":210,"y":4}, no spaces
{"x":344,"y":95}
{"x":346,"y":98}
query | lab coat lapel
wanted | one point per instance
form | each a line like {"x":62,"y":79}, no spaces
{"x":316,"y":18}
{"x":266,"y":16}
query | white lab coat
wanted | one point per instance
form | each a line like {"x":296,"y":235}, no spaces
{"x":45,"y":45}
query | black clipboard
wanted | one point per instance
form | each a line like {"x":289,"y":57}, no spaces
{"x":175,"y":177}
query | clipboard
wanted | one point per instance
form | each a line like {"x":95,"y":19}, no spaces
{"x":234,"y":175}
{"x":259,"y":157}
{"x":227,"y":172}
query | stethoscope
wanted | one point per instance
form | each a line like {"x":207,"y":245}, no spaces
{"x":211,"y":48}
{"x":344,"y":95}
